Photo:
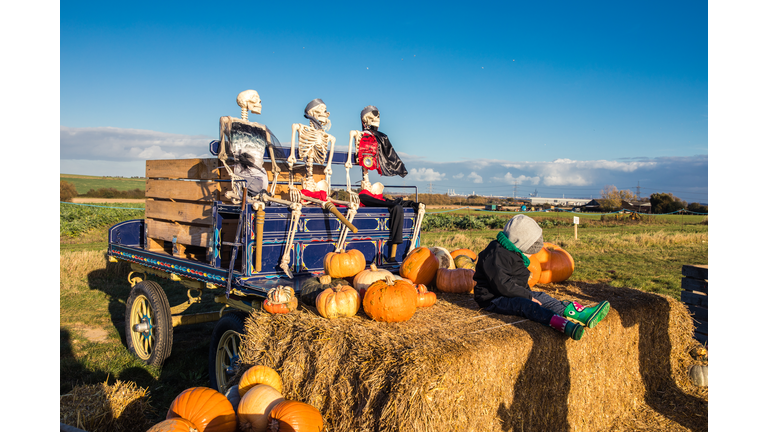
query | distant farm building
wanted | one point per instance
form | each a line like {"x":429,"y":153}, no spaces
{"x":562,"y":202}
{"x":638,"y":207}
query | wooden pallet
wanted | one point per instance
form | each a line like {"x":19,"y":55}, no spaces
{"x":694,"y":295}
{"x":180,"y":194}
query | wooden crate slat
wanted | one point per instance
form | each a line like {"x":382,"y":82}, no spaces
{"x":700,"y":337}
{"x":197,"y":213}
{"x":186,"y":190}
{"x":690,"y":284}
{"x":202,"y":169}
{"x":694,"y":299}
{"x":699,"y":313}
{"x":189,"y":235}
{"x":702,"y":327}
{"x":299,"y":172}
{"x":696,"y":271}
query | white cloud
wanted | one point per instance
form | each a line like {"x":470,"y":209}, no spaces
{"x":425,"y":174}
{"x":475,"y":177}
{"x":116,"y":144}
{"x":458,"y":176}
{"x":508,"y":178}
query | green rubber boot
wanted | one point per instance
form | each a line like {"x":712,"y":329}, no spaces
{"x":575,"y":331}
{"x":587,"y":316}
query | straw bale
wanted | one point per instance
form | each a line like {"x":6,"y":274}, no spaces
{"x":455,"y":367}
{"x":120,"y":407}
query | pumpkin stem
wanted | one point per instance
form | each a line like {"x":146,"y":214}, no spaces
{"x":389,"y":279}
{"x":325,"y":279}
{"x":373,"y":267}
{"x":274,"y":425}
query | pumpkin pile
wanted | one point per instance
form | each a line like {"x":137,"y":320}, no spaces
{"x":255,"y":404}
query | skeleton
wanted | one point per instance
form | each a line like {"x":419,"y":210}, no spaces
{"x":370,"y":118}
{"x":313,"y":145}
{"x":249,"y":158}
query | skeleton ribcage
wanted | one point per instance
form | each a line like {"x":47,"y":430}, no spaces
{"x":313,"y":145}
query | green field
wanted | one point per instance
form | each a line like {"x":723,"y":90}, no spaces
{"x":92,"y":295}
{"x":85,"y":183}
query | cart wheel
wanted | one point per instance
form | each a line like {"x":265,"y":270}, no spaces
{"x":224,"y":354}
{"x":148,"y":327}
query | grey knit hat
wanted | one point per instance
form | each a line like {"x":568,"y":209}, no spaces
{"x":525,"y":233}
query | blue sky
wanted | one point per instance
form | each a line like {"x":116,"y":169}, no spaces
{"x":562,"y":98}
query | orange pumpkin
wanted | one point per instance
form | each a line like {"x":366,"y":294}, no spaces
{"x":390,"y":300}
{"x":557,"y":265}
{"x":420,"y":266}
{"x":535,"y":268}
{"x":255,"y":406}
{"x":281,"y":308}
{"x":206,"y":408}
{"x":344,"y":264}
{"x":177,"y":424}
{"x":259,"y":374}
{"x":466,"y":252}
{"x":294,"y":416}
{"x":338,"y":302}
{"x":425,"y":298}
{"x":455,"y":281}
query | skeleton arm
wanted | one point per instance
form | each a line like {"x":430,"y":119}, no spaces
{"x":275,"y":168}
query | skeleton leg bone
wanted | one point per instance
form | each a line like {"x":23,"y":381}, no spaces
{"x":417,"y":227}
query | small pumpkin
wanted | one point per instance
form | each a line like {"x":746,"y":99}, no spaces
{"x":233,"y":396}
{"x":390,"y":300}
{"x":557,"y":265}
{"x":254,"y":407}
{"x":443,"y":257}
{"x":464,"y":261}
{"x":424,"y":298}
{"x":344,"y":264}
{"x":259,"y":374}
{"x":365,"y":278}
{"x":280,"y":300}
{"x":294,"y":416}
{"x":338,"y":302}
{"x":312,"y":287}
{"x":420,"y":266}
{"x":206,"y":408}
{"x":177,"y":424}
{"x":455,"y":281}
{"x":535,"y":268}
{"x":467,"y":252}
{"x":698,"y":375}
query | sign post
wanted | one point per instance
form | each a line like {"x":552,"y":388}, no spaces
{"x":576,"y":227}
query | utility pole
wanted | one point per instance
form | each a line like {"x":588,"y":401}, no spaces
{"x":514,"y":198}
{"x":430,"y":187}
{"x":638,"y":189}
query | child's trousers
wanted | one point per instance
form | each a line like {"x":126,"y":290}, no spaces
{"x":528,"y":308}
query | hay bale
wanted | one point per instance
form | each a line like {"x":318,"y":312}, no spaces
{"x":455,"y":367}
{"x":120,"y":407}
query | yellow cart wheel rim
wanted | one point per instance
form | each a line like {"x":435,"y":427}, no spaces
{"x":143,"y":341}
{"x":227,"y":356}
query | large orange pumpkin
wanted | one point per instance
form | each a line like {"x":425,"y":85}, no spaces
{"x":467,"y":252}
{"x":177,"y":424}
{"x":338,"y":302}
{"x":344,"y":264}
{"x":535,"y":268}
{"x":259,"y":374}
{"x":294,"y":416}
{"x":207,"y":409}
{"x":455,"y":281}
{"x":390,"y":300}
{"x":420,"y":266}
{"x":557,"y":265}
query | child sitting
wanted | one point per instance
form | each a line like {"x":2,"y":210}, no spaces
{"x":502,"y":282}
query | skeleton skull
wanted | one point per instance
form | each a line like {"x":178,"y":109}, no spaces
{"x":249,"y":100}
{"x":371,"y":118}
{"x":321,"y":114}
{"x":377,"y":188}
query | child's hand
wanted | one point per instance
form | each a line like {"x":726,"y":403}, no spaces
{"x":535,"y":301}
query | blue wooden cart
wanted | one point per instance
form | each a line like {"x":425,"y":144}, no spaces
{"x":189,"y":235}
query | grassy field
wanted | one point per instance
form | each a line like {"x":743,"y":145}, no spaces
{"x":93,"y":292}
{"x":85,"y":183}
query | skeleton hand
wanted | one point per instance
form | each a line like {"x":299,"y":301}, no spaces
{"x":354,"y":198}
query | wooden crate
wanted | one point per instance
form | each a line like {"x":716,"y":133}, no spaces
{"x":299,"y":173}
{"x":694,"y":295}
{"x":180,"y":194}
